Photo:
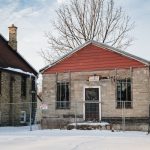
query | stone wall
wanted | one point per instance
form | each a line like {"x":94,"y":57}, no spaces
{"x":79,"y":80}
{"x":10,"y":113}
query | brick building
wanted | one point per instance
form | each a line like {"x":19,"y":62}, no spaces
{"x":96,"y":82}
{"x":17,"y":83}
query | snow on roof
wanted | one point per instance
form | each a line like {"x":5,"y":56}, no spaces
{"x":19,"y":71}
{"x":17,"y":54}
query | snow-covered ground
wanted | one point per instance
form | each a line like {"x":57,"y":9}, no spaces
{"x":20,"y":138}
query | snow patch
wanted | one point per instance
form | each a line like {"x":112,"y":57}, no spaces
{"x":60,"y":1}
{"x":19,"y":71}
{"x":91,"y":124}
{"x":20,"y":138}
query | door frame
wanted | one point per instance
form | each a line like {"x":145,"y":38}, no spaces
{"x":100,"y":100}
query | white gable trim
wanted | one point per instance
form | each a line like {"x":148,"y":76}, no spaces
{"x":126,"y":54}
{"x":101,"y":45}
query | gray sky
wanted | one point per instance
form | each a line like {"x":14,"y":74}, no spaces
{"x":33,"y":17}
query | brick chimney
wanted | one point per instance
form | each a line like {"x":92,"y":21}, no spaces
{"x":13,"y":37}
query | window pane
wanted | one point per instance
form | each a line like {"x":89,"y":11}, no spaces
{"x":33,"y":84}
{"x":0,"y":82}
{"x":118,"y":91}
{"x":62,"y":95}
{"x":23,"y":86}
{"x":92,"y":94}
{"x":124,"y":93}
{"x":91,"y":111}
{"x":129,"y":91}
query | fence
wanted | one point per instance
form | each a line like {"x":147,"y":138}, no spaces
{"x":20,"y":114}
{"x":61,"y":114}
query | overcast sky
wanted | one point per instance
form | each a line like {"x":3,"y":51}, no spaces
{"x":33,"y":17}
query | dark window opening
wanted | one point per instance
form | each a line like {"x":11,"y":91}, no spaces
{"x":0,"y":82}
{"x":62,"y":95}
{"x":92,"y":111}
{"x":34,"y":99}
{"x":33,"y":84}
{"x":33,"y":89}
{"x":23,"y":86}
{"x":124,"y":93}
{"x":92,"y":94}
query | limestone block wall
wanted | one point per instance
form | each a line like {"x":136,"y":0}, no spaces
{"x":79,"y":80}
{"x":10,"y":113}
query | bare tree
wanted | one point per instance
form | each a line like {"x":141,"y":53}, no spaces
{"x":82,"y":20}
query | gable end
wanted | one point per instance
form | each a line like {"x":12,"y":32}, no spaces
{"x":93,"y":55}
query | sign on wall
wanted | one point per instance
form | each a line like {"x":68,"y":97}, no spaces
{"x":94,"y":78}
{"x":43,"y":106}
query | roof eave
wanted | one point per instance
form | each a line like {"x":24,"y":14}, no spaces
{"x":146,"y":62}
{"x":34,"y":70}
{"x":65,"y":56}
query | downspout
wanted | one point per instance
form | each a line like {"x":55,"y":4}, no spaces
{"x":149,"y":98}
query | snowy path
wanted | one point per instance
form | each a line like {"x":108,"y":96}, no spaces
{"x":72,"y":140}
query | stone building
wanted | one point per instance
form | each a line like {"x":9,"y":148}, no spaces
{"x":96,"y":82}
{"x":17,"y":84}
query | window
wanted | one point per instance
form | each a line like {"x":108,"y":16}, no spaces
{"x":23,"y":117}
{"x":33,"y":89}
{"x":0,"y":82}
{"x":33,"y":84}
{"x":92,"y":94}
{"x":23,"y":86}
{"x":34,"y":99}
{"x":124,"y":93}
{"x":62,"y":95}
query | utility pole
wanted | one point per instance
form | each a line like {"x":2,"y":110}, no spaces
{"x":123,"y":115}
{"x":149,"y":121}
{"x":30,"y":105}
{"x":30,"y":109}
